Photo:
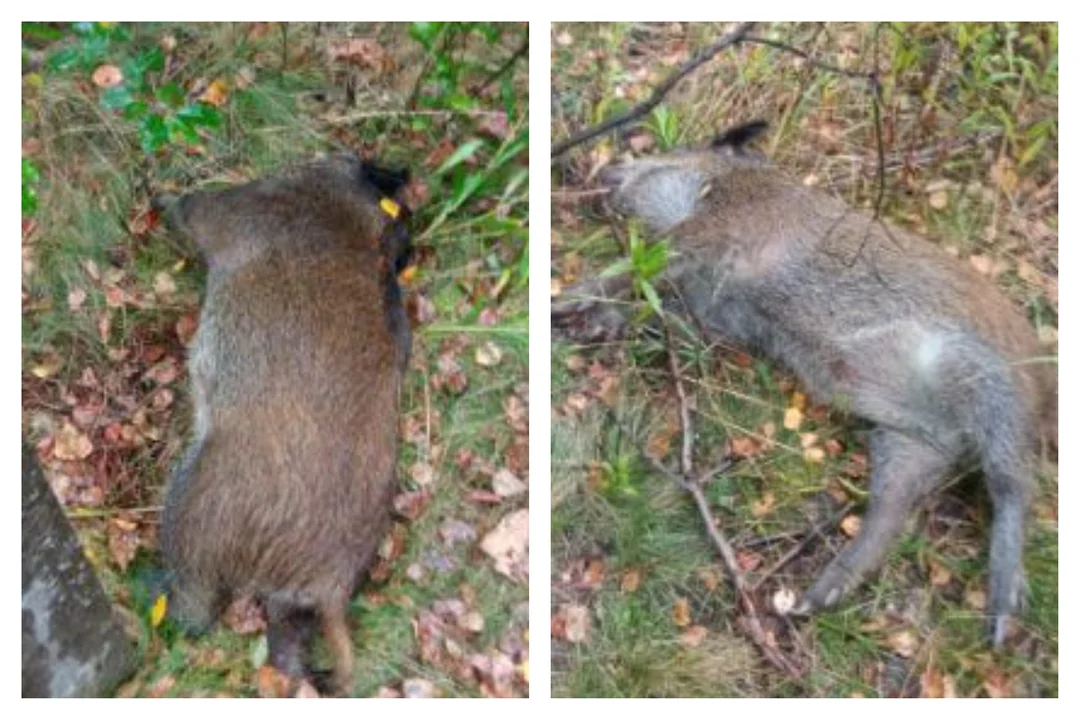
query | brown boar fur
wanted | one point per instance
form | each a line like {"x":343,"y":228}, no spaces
{"x":870,"y":317}
{"x":286,"y":490}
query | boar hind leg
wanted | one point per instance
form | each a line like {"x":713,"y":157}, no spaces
{"x":194,"y":605}
{"x":903,"y":471}
{"x":289,"y":634}
{"x":1009,"y":483}
{"x":335,"y":626}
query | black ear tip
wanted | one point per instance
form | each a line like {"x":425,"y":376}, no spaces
{"x":740,"y":135}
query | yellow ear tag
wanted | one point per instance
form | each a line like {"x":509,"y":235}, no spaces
{"x":157,"y":612}
{"x":390,"y":207}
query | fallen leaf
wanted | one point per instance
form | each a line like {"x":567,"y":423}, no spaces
{"x":271,"y":682}
{"x":488,"y":355}
{"x":186,"y":327}
{"x":471,"y":621}
{"x":508,"y":545}
{"x":783,"y":601}
{"x":576,"y":623}
{"x":411,"y":505}
{"x":851,"y":525}
{"x":761,"y":508}
{"x":216,"y":93}
{"x":364,"y":52}
{"x":164,"y":285}
{"x":107,"y":76}
{"x":49,"y":365}
{"x":903,"y":642}
{"x":975,"y":599}
{"x":748,"y":560}
{"x":454,"y":532}
{"x":997,"y":684}
{"x":387,"y":692}
{"x":506,"y":484}
{"x":306,"y":690}
{"x":422,"y":473}
{"x":631,"y":580}
{"x":934,"y":684}
{"x":70,"y":444}
{"x":76,"y":298}
{"x":693,"y":636}
{"x":680,"y":612}
{"x":162,"y":687}
{"x":745,"y":446}
{"x":123,"y":540}
{"x":814,"y":455}
{"x":939,"y":574}
{"x":793,"y":418}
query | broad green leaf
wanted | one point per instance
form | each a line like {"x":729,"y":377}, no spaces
{"x":115,"y":98}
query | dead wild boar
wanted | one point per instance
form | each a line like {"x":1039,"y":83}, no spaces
{"x":876,"y":320}
{"x":286,"y":490}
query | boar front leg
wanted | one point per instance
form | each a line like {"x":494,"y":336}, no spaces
{"x":594,"y":311}
{"x":903,"y":471}
{"x":590,"y":311}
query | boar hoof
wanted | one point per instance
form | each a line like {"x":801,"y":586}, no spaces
{"x":826,"y":592}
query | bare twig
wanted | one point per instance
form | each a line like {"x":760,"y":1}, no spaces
{"x":518,"y":54}
{"x":657,"y":95}
{"x":750,"y":622}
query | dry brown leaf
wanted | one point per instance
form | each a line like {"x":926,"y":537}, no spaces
{"x":71,"y":444}
{"x":939,"y":574}
{"x":903,"y":642}
{"x":975,"y":599}
{"x":631,"y":580}
{"x":506,"y":484}
{"x":488,"y":355}
{"x":576,"y":623}
{"x":365,"y":52}
{"x":851,"y":525}
{"x":271,"y":682}
{"x":508,"y":545}
{"x":422,"y":473}
{"x":761,"y":508}
{"x":680,"y":613}
{"x":793,"y":418}
{"x":107,"y":76}
{"x":693,"y":636}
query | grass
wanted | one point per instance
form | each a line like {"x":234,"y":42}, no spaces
{"x":83,"y":240}
{"x":994,"y":201}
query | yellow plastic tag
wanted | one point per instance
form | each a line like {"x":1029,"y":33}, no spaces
{"x":157,"y":612}
{"x":390,"y":207}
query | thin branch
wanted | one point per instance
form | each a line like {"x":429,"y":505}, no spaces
{"x":750,"y":622}
{"x":810,"y":59}
{"x":521,"y":51}
{"x":658,"y":94}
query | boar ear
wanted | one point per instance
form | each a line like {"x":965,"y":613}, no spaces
{"x":198,"y":215}
{"x":388,"y":181}
{"x":737,"y":137}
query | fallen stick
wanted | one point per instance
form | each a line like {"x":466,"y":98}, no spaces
{"x":751,"y":620}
